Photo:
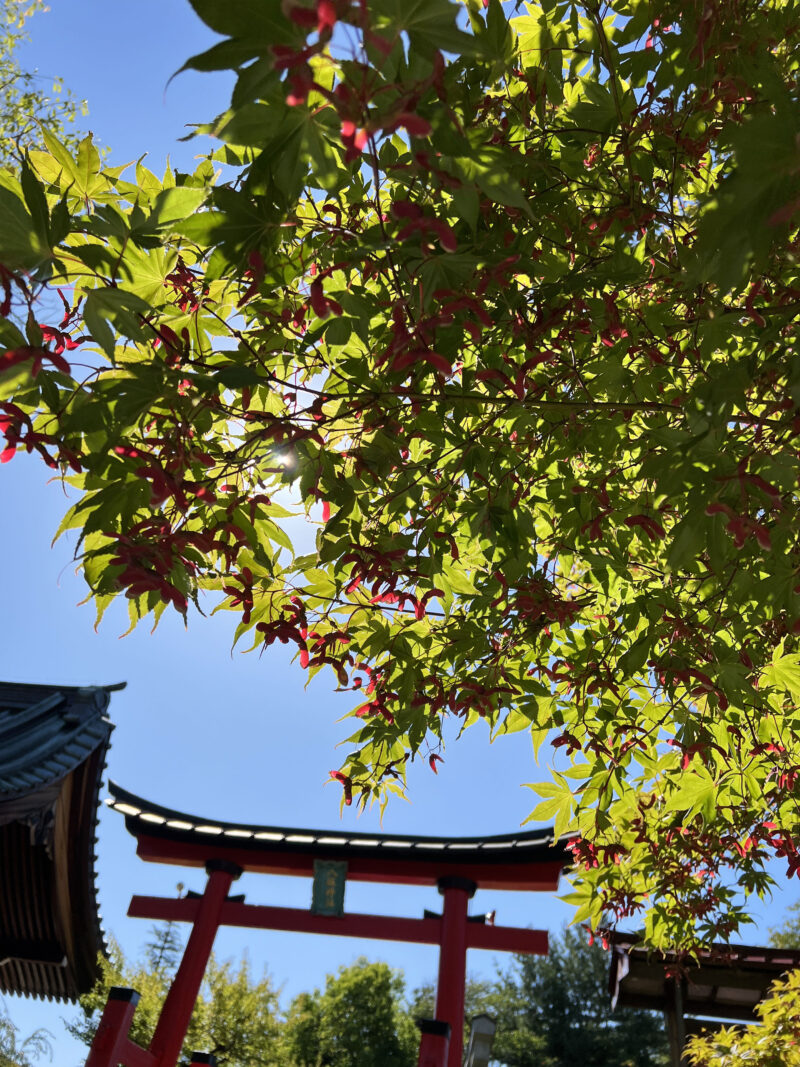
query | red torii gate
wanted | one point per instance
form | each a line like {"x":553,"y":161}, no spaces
{"x":457,"y":866}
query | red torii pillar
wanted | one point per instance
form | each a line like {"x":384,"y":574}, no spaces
{"x":457,"y":893}
{"x":111,"y":1044}
{"x":179,"y":1005}
{"x":433,"y":1044}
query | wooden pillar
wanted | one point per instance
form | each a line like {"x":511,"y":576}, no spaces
{"x":112,"y":1033}
{"x":177,"y":1011}
{"x":457,"y":893}
{"x":676,"y":1031}
{"x":434,"y":1042}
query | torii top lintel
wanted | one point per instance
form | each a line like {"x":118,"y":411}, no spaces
{"x":523,"y":861}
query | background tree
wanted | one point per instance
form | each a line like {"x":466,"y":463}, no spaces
{"x":22,"y":1052}
{"x":359,"y":1020}
{"x":563,"y":1000}
{"x":236,"y":1016}
{"x":301,"y":1035}
{"x":24,"y":102}
{"x":787,"y":935}
{"x":511,"y":305}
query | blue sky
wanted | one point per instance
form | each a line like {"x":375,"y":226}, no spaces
{"x":215,"y":733}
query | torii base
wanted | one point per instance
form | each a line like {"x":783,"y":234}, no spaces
{"x":434,"y":1043}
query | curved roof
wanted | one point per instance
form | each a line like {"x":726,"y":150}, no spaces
{"x":53,"y":741}
{"x":47,"y":731}
{"x":530,"y":860}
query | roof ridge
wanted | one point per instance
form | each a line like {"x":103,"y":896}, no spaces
{"x":131,"y":804}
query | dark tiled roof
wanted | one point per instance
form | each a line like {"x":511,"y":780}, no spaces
{"x":53,"y":741}
{"x":47,"y":731}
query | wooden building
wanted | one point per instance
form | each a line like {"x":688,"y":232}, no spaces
{"x":721,"y":987}
{"x":53,"y":743}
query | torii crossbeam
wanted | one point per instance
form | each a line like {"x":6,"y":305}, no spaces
{"x":457,"y":866}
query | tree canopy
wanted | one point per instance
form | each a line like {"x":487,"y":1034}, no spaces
{"x":359,"y":1020}
{"x":508,"y":300}
{"x":563,"y":999}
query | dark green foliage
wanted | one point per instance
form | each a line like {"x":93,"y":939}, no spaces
{"x":163,"y":950}
{"x":359,"y":1020}
{"x":562,"y":1001}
